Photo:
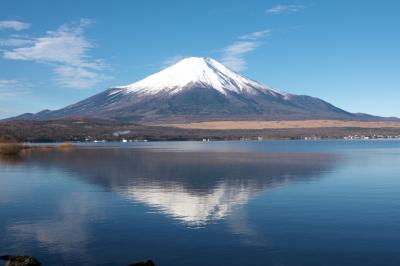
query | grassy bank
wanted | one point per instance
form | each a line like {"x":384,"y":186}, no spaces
{"x":10,"y":148}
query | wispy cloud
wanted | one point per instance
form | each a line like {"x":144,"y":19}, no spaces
{"x":10,"y":88}
{"x":80,"y":77}
{"x":282,"y":9}
{"x":67,"y":50}
{"x":233,"y":55}
{"x":16,"y":42}
{"x":255,"y":35}
{"x":14,"y":25}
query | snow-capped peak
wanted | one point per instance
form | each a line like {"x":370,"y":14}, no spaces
{"x":193,"y":71}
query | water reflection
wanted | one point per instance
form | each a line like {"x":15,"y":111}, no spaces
{"x":10,"y":159}
{"x":195,"y":188}
{"x":105,"y":206}
{"x":64,"y":232}
{"x":71,"y":206}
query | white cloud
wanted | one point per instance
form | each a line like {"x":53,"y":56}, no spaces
{"x":66,"y":49}
{"x":233,"y":54}
{"x":10,"y":88}
{"x":281,"y":9}
{"x":65,"y":45}
{"x":14,"y":25}
{"x":15,"y":42}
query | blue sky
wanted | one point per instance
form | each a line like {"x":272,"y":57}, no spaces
{"x":55,"y":53}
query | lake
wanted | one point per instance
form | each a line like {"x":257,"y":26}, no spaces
{"x":205,"y":203}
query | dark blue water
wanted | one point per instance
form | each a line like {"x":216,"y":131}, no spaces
{"x":194,"y":203}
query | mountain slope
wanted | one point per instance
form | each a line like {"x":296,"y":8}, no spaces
{"x":197,"y":89}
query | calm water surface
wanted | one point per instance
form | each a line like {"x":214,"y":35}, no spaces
{"x":194,"y":203}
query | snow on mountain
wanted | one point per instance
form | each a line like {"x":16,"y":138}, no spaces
{"x":193,"y":71}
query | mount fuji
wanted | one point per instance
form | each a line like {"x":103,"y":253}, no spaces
{"x":197,"y":89}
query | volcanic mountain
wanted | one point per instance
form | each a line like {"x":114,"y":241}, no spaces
{"x":197,"y":89}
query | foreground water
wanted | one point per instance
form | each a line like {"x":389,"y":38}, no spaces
{"x":216,"y":203}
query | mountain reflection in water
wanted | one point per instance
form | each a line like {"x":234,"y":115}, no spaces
{"x":194,"y":188}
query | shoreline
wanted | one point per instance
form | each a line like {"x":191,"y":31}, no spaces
{"x":60,"y":131}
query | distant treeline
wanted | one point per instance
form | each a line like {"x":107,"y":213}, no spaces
{"x":90,"y":130}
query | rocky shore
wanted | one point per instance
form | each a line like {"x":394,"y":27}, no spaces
{"x":31,"y":261}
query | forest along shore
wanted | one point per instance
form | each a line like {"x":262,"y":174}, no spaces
{"x":89,"y":130}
